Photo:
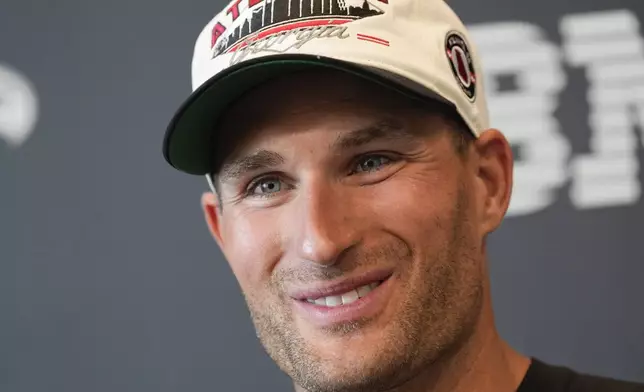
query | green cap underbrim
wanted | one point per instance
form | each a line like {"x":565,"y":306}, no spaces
{"x":191,"y":137}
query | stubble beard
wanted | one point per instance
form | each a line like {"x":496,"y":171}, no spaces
{"x":438,"y":316}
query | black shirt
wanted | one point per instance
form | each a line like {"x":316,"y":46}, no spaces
{"x":542,"y":377}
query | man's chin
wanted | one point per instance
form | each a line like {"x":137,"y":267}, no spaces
{"x":347,"y":369}
{"x":351,"y":355}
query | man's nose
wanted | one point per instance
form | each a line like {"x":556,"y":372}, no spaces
{"x":327,"y":225}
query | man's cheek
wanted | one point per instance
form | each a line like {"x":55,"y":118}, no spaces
{"x":252,"y":250}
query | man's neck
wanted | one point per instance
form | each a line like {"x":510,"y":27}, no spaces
{"x":484,"y":363}
{"x":490,"y":366}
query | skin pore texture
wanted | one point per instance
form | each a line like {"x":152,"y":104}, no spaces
{"x":334,"y":182}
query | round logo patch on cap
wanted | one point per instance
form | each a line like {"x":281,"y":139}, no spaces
{"x":460,"y":60}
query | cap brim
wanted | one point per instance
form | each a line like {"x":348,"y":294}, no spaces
{"x":191,"y":137}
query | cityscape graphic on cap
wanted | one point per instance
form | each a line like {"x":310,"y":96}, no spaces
{"x":283,"y":14}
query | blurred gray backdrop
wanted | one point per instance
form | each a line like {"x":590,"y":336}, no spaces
{"x":109,"y":280}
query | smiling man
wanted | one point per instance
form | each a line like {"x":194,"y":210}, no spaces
{"x":354,"y":180}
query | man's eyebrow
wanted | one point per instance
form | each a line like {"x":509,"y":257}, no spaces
{"x":387,"y":129}
{"x":262,"y":159}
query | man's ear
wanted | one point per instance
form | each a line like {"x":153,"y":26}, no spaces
{"x":494,"y":178}
{"x":210,"y":206}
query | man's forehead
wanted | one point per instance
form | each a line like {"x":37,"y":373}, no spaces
{"x":312,"y":95}
{"x":316,"y":98}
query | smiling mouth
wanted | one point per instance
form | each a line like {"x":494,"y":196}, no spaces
{"x":344,"y":298}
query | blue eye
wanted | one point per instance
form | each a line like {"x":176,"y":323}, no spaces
{"x":371,"y":163}
{"x":265,"y":186}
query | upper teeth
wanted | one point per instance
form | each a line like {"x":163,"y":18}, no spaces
{"x":346,"y":298}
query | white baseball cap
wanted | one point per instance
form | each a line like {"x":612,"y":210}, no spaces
{"x":418,"y":47}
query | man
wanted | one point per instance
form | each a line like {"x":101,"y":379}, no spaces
{"x":354,"y":179}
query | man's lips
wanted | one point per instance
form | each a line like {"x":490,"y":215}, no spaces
{"x":337,"y":288}
{"x":361,"y":297}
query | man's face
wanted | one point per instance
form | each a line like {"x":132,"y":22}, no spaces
{"x":354,"y":228}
